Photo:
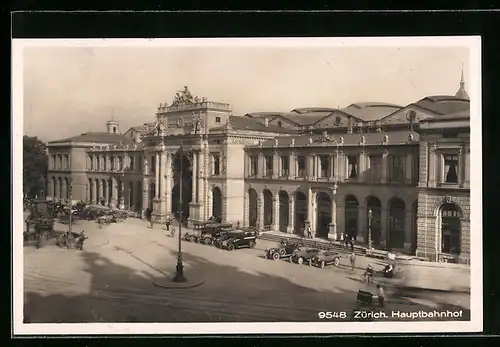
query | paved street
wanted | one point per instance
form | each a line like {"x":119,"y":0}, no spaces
{"x":111,"y":280}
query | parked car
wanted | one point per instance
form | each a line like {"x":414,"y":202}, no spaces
{"x":284,"y":249}
{"x":324,"y":258}
{"x":224,"y":235}
{"x":206,"y":232}
{"x":239,"y":239}
{"x":303,"y":254}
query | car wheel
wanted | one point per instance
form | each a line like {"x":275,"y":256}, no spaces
{"x":207,"y":241}
{"x":230,"y":247}
{"x":300,"y":260}
{"x":192,"y":239}
{"x":252,"y":244}
{"x":282,"y":252}
{"x":336,"y":262}
{"x":322,"y":265}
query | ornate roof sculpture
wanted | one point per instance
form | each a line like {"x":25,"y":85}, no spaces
{"x":184,"y":97}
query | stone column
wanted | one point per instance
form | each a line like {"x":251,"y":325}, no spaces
{"x":291,"y":214}
{"x":338,"y":166}
{"x":145,"y":195}
{"x":246,"y":212}
{"x":122,"y":195}
{"x":384,"y":167}
{"x":466,"y":167}
{"x":384,"y":227}
{"x":168,"y":183}
{"x":408,"y":229}
{"x":310,"y":206}
{"x":114,"y":190}
{"x":310,"y":166}
{"x":276,"y":214}
{"x":292,"y":166}
{"x":432,"y":166}
{"x":276,"y":166}
{"x":101,"y":192}
{"x":157,"y":176}
{"x":333,"y":225}
{"x":361,"y":166}
{"x":332,"y":167}
{"x":260,"y":211}
{"x":261,"y":165}
{"x":409,"y":168}
{"x":194,"y":196}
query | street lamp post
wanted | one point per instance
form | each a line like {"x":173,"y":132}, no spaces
{"x":179,"y":273}
{"x":370,"y":213}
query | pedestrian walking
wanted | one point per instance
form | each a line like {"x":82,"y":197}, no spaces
{"x":167,"y":223}
{"x":381,"y":295}
{"x":309,"y":232}
{"x":352,"y":260}
{"x":351,"y":243}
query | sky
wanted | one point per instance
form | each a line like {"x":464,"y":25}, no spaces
{"x":72,"y":90}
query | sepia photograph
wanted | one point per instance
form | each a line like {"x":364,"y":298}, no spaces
{"x":316,"y":185}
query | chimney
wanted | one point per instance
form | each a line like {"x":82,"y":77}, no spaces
{"x":266,"y":122}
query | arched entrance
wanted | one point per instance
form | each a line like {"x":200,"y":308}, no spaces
{"x":60,"y":188}
{"x":186,"y":177}
{"x":373,"y":204}
{"x":91,"y":196}
{"x":284,"y":211}
{"x":268,"y":208}
{"x":300,"y":211}
{"x":138,"y":199}
{"x":54,"y":187}
{"x":131,"y":199}
{"x":252,"y":207}
{"x":351,"y":216}
{"x":397,"y":216}
{"x":414,"y":224}
{"x":217,"y":203}
{"x":324,"y":214}
{"x":450,"y":229}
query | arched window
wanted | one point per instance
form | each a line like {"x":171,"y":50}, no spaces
{"x":450,"y":229}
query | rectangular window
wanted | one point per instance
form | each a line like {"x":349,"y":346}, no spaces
{"x":301,"y":166}
{"x":285,"y":169}
{"x":254,"y":166}
{"x":352,"y":165}
{"x":112,"y":163}
{"x":66,"y":162}
{"x":268,"y":165}
{"x":132,"y":163}
{"x":216,"y":164}
{"x":397,"y":168}
{"x":120,"y":163}
{"x":153,"y":164}
{"x":91,"y":163}
{"x":451,"y":168}
{"x":104,"y":164}
{"x":324,"y":163}
{"x":375,"y":171}
{"x":217,"y":119}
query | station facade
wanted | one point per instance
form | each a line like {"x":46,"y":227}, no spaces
{"x":395,"y":176}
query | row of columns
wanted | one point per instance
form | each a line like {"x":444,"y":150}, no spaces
{"x":59,"y":188}
{"x":59,"y":161}
{"x":101,"y":191}
{"x":103,"y":162}
{"x":338,"y":166}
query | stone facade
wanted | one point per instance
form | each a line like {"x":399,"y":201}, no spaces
{"x":381,"y":182}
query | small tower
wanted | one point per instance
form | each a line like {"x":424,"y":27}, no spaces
{"x":462,"y":94}
{"x":113,"y":127}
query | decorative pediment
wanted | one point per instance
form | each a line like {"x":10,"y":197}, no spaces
{"x":333,"y":120}
{"x":405,"y":115}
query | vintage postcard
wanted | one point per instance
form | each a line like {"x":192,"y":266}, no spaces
{"x":221,"y":186}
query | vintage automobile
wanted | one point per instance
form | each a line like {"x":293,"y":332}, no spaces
{"x":207,"y":232}
{"x":119,"y":215}
{"x":303,"y":254}
{"x":284,"y":249}
{"x":91,"y":212}
{"x":324,"y":258}
{"x":224,"y":235}
{"x":239,"y":239}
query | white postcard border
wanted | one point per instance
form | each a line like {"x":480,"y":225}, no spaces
{"x":474,"y":325}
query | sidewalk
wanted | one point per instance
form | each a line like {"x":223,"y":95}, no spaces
{"x":416,"y":274}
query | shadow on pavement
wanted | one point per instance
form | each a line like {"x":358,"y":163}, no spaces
{"x":119,"y":293}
